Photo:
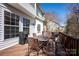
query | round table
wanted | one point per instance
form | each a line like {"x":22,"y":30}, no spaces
{"x":42,"y":43}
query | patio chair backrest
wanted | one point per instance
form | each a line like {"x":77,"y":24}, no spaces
{"x":33,"y":42}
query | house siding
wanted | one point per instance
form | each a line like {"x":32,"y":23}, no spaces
{"x":41,"y":25}
{"x":11,"y":41}
{"x":1,"y":23}
{"x":14,"y":10}
{"x":33,"y":23}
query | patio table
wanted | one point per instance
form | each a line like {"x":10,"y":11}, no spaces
{"x":42,"y":43}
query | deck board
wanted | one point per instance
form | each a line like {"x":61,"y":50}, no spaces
{"x":17,"y":50}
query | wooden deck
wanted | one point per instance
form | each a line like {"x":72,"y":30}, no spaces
{"x":17,"y":50}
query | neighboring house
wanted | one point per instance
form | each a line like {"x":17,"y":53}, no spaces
{"x":62,"y":29}
{"x":53,"y":26}
{"x":18,"y":18}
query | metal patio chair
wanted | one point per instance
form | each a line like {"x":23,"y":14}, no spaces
{"x":33,"y":45}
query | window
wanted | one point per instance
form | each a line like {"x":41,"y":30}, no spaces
{"x":7,"y":17}
{"x":38,"y":28}
{"x":26,"y":23}
{"x":11,"y":25}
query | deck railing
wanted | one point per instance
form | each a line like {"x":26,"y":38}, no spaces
{"x":71,"y":45}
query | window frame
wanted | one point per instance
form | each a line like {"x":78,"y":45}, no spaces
{"x":12,"y":32}
{"x":26,"y":23}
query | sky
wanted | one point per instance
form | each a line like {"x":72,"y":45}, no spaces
{"x":61,"y":9}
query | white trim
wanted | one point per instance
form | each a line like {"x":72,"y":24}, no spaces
{"x":24,"y":8}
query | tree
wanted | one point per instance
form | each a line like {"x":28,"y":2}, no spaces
{"x":72,"y":27}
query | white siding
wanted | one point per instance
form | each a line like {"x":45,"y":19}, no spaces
{"x":8,"y":43}
{"x":1,"y":24}
{"x":41,"y":29}
{"x":28,"y":10}
{"x":32,"y":27}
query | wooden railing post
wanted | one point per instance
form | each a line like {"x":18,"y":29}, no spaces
{"x":55,"y":48}
{"x":77,"y":51}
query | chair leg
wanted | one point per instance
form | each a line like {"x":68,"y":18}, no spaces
{"x":37,"y":53}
